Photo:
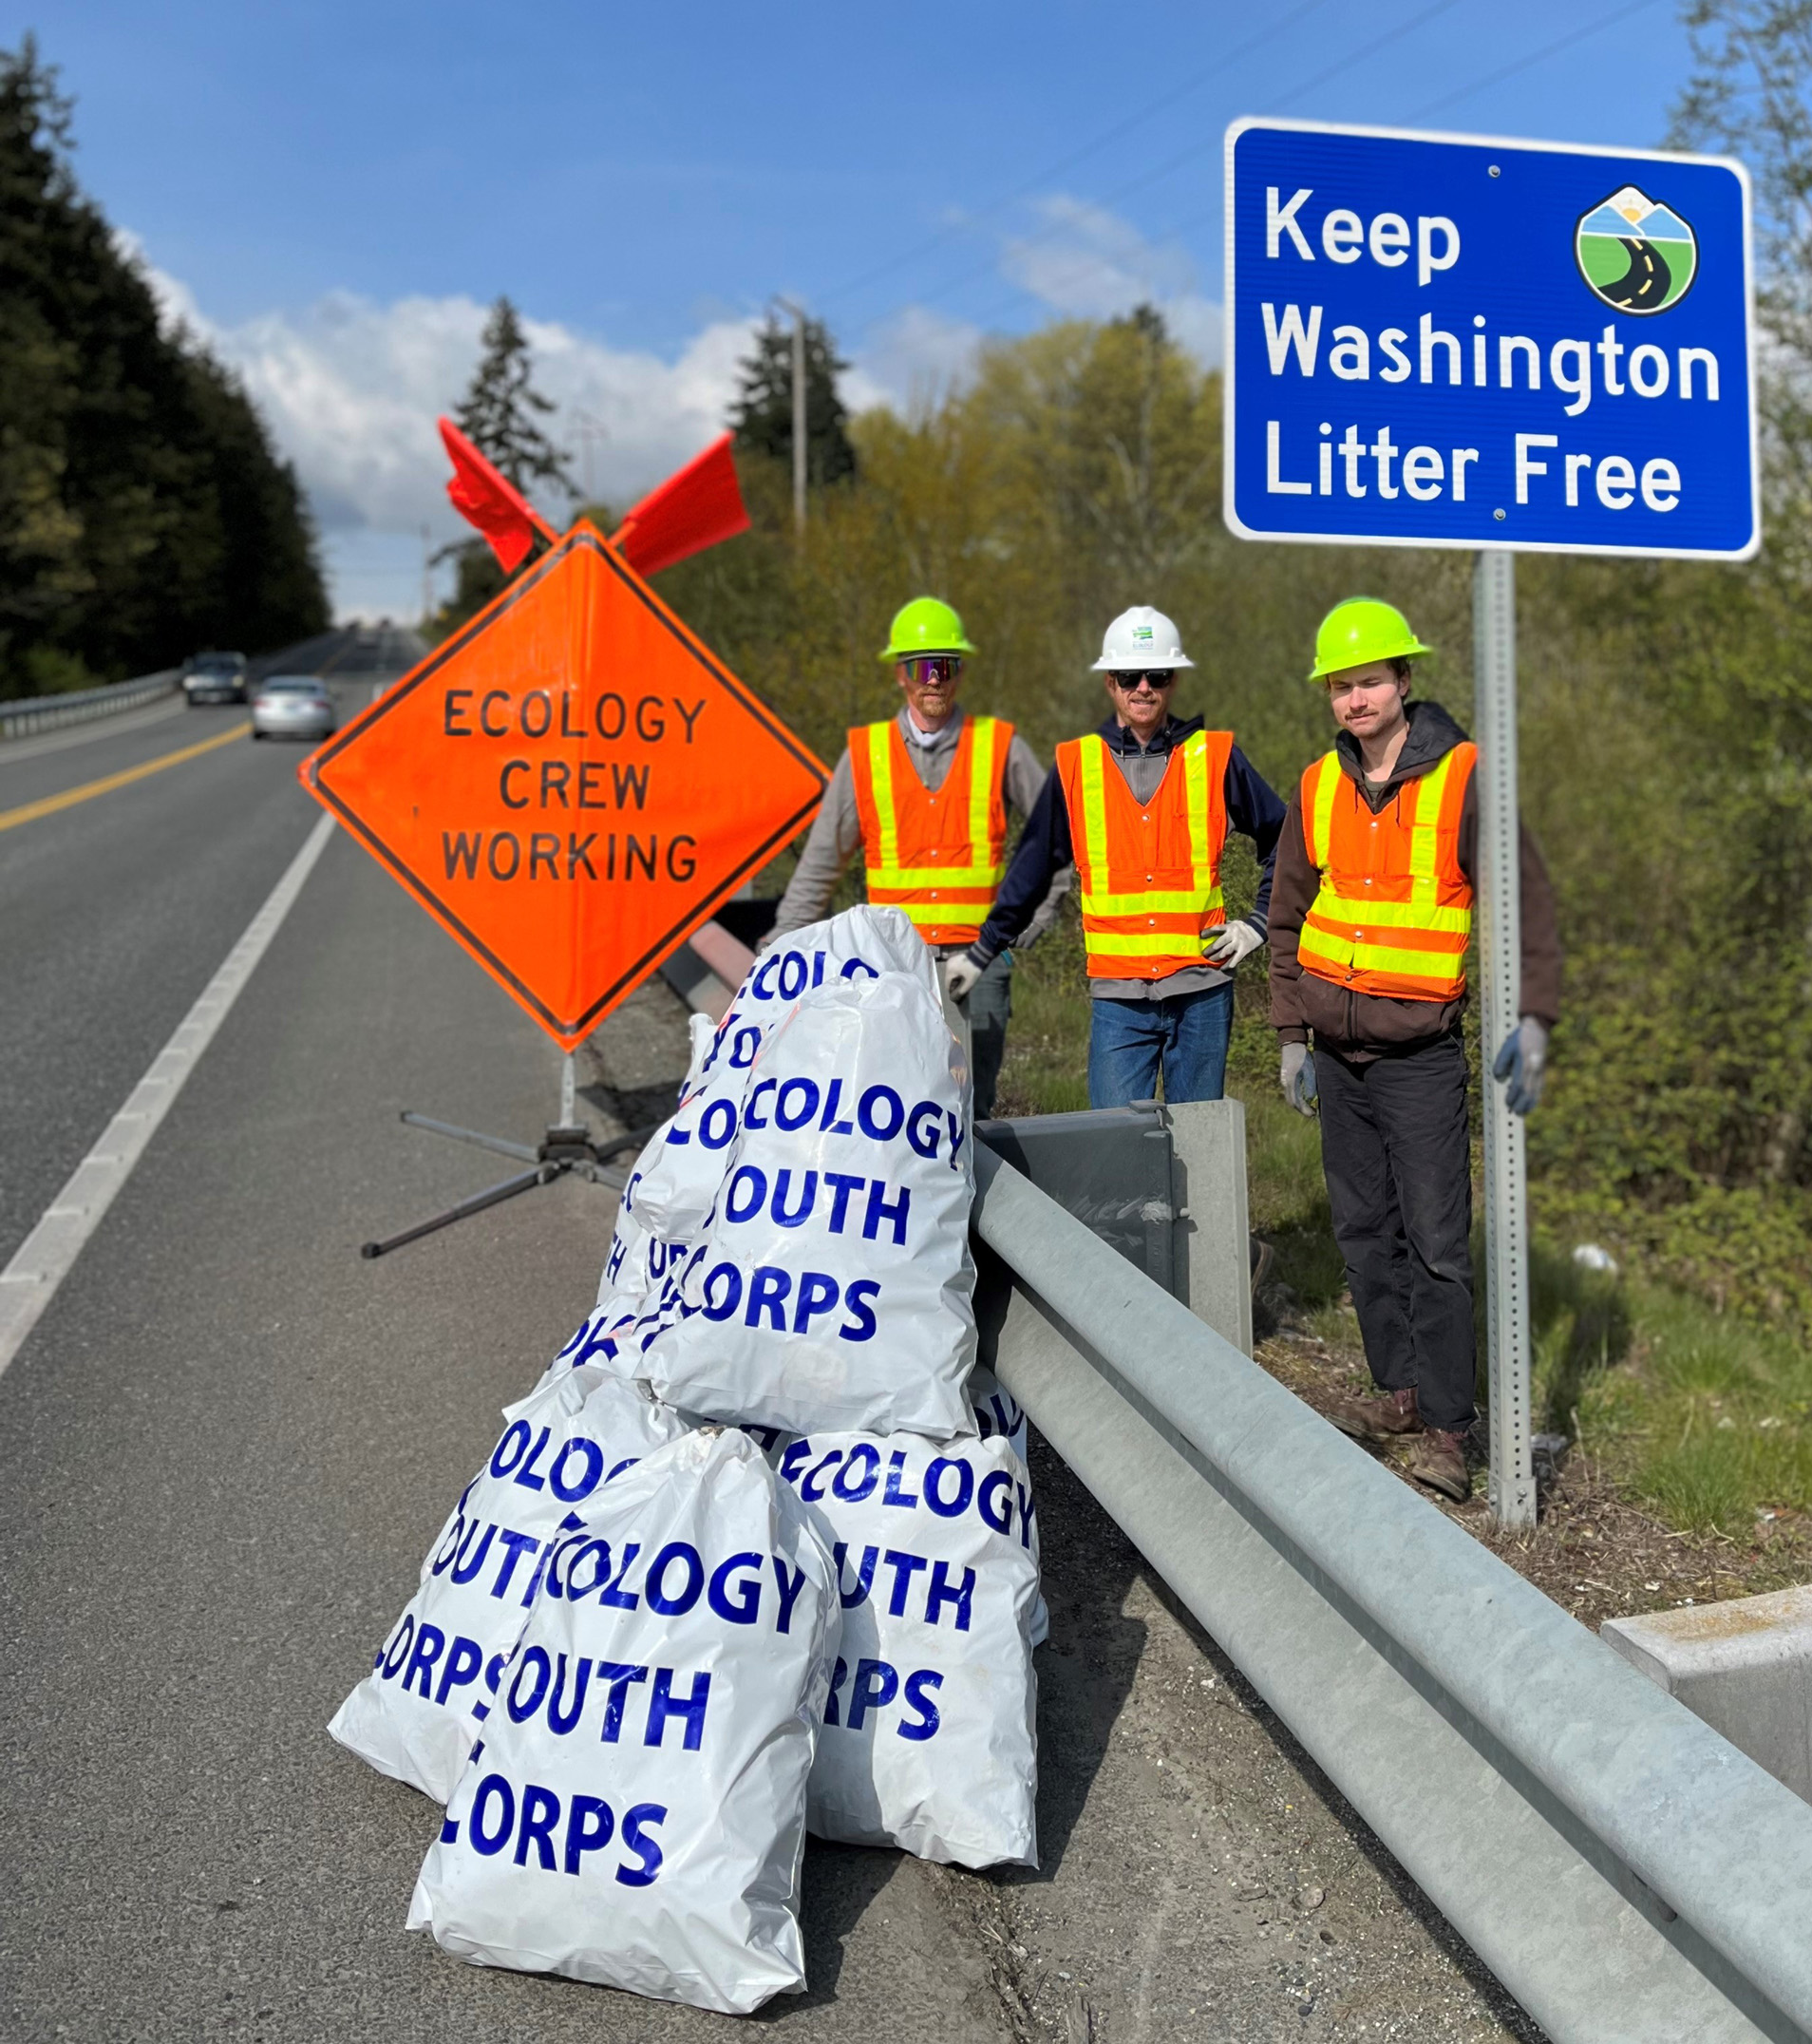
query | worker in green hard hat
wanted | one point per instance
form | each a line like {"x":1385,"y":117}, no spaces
{"x":1371,"y":916}
{"x":925,"y":794}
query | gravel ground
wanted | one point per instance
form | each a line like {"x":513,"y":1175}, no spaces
{"x":1593,"y":1552}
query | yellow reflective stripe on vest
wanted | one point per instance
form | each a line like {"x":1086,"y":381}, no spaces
{"x":1326,"y":786}
{"x":1423,"y":844}
{"x":1391,"y":914}
{"x":881,"y":775}
{"x":1201,"y":861}
{"x":983,"y":774}
{"x":1440,"y":967}
{"x":966,"y":915}
{"x":1093,"y":759}
{"x":1149,"y":944}
{"x":1152,"y":902}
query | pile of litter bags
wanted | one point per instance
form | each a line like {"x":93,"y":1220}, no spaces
{"x":758,"y":1554}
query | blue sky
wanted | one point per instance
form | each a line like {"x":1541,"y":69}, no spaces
{"x":332,"y":193}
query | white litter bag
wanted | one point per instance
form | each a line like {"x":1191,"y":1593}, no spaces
{"x":1000,"y":1415}
{"x":413,"y":1715}
{"x":834,"y":1285}
{"x":930,"y":1737}
{"x":684,"y":1165}
{"x":634,"y":1814}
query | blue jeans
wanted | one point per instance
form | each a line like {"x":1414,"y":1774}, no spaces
{"x":1186,"y":1033}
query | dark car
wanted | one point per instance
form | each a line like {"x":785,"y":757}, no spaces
{"x":215,"y":677}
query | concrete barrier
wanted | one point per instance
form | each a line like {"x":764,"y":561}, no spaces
{"x":1744,"y":1666}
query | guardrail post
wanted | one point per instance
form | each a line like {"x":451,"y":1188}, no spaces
{"x":1493,"y":642}
{"x":1214,"y":1235}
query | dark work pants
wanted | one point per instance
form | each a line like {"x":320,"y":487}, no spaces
{"x":1399,"y":1169}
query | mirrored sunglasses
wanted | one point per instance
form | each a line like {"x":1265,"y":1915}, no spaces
{"x":926,"y":667}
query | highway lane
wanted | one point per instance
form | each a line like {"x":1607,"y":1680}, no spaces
{"x":230,"y":1443}
{"x":115,"y":911}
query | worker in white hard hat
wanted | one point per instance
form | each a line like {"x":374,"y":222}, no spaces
{"x":1142,"y":805}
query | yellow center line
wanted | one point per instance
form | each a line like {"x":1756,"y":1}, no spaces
{"x":30,"y":811}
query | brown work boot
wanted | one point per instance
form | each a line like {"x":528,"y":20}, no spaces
{"x":1377,"y":1419}
{"x":1438,"y":1460}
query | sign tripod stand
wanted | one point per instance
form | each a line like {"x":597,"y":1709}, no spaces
{"x":567,"y":1147}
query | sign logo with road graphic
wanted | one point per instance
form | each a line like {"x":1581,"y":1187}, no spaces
{"x":1636,"y":255}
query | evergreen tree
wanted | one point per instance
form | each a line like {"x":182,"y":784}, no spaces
{"x":498,"y":415}
{"x":763,"y":415}
{"x":500,"y":408}
{"x":143,"y":511}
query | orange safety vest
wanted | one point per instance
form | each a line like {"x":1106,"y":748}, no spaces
{"x":1150,"y":872}
{"x":938,"y":856}
{"x":1394,"y":911}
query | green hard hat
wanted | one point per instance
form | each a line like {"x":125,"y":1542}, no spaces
{"x":1362,"y":630}
{"x":925,"y":625}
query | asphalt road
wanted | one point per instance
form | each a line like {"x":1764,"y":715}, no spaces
{"x":230,"y":1441}
{"x":1647,"y":281}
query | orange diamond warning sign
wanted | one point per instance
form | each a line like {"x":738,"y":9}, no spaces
{"x":570,"y":784}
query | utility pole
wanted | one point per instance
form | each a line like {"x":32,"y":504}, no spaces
{"x":591,"y":431}
{"x":428,"y":577}
{"x":801,"y":438}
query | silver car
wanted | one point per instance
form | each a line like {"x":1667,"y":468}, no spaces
{"x":292,"y":705}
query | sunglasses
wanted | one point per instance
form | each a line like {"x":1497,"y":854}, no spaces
{"x":1160,"y":678}
{"x":934,"y":667}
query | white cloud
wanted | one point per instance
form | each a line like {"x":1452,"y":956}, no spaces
{"x":350,"y":387}
{"x":910,"y":360}
{"x":1087,"y":263}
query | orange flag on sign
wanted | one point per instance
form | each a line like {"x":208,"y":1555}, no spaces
{"x":694,"y":508}
{"x":489,"y":500}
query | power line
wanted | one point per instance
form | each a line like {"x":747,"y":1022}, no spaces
{"x":1422,"y":113}
{"x":1140,"y":120}
{"x":1201,"y":148}
{"x":1541,"y":56}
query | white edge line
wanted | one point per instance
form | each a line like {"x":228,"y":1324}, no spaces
{"x":44,"y":1259}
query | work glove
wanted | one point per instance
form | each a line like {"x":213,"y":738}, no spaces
{"x":1522,"y":1064}
{"x":1233,"y":942}
{"x":960,"y":975}
{"x":1298,"y":1077}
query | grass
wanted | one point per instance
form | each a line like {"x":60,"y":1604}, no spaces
{"x":1700,"y":1415}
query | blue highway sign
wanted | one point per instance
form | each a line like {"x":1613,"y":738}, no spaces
{"x":1445,"y":340}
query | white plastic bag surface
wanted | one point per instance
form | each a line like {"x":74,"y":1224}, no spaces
{"x":412,"y":1716}
{"x":684,"y":1165}
{"x":833,"y":1286}
{"x":634,"y":1814}
{"x":1000,"y":1415}
{"x":930,"y":1737}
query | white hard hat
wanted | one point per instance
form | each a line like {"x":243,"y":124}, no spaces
{"x":1141,"y":637}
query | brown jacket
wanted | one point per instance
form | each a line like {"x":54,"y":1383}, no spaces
{"x":1361,"y":1026}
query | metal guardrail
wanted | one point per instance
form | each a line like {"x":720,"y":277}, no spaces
{"x":1626,"y":1872}
{"x":49,"y":712}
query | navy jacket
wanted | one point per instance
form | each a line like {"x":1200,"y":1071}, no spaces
{"x":1252,"y":809}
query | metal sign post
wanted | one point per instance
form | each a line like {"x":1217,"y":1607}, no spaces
{"x":1461,"y":341}
{"x":1494,"y":655}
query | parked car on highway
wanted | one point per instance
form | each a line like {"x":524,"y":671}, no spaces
{"x":292,"y":705}
{"x":214,"y":678}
